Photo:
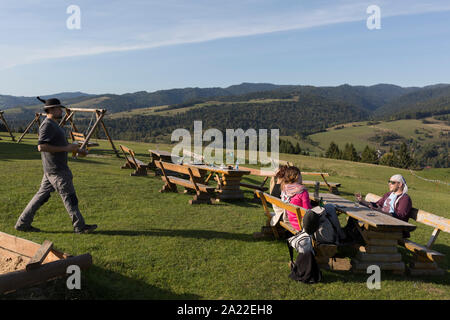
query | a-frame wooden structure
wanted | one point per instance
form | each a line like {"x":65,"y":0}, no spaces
{"x":6,"y":125}
{"x":37,"y":120}
{"x":99,"y":113}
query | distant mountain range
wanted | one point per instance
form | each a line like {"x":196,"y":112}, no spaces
{"x":377,"y":101}
{"x":7,"y":102}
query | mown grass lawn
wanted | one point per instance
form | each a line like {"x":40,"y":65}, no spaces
{"x":152,"y":245}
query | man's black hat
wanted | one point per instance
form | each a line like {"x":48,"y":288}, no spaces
{"x":51,"y":103}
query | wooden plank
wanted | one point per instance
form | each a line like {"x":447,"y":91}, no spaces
{"x":277,"y":201}
{"x":422,"y":250}
{"x":424,"y":265}
{"x":269,"y":217}
{"x":228,"y":182}
{"x":23,"y":247}
{"x":288,"y":227}
{"x":378,"y":249}
{"x":378,"y":257}
{"x":168,"y":166}
{"x":40,"y":255}
{"x":426,"y":272}
{"x":187,"y":183}
{"x":433,"y":237}
{"x":433,"y":220}
{"x":22,"y":278}
{"x":382,"y":242}
{"x":382,"y":235}
{"x":392,"y":266}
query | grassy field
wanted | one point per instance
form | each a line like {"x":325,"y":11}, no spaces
{"x":151,"y":245}
{"x":359,"y":133}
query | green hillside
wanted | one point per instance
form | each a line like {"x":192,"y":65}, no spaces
{"x":365,"y":133}
{"x":152,"y":245}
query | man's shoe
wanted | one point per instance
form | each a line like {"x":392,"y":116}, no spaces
{"x":27,"y":228}
{"x":88,"y":228}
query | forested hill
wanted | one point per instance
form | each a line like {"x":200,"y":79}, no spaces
{"x":382,"y":101}
{"x":293,"y":109}
{"x":432,"y":99}
{"x":140,"y":99}
{"x":309,"y":114}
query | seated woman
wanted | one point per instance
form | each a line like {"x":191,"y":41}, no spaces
{"x":395,"y":203}
{"x":292,"y":191}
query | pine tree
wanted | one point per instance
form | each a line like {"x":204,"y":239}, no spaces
{"x":350,"y":153}
{"x":369,"y":155}
{"x":297,"y":149}
{"x":333,"y":151}
{"x":404,"y":159}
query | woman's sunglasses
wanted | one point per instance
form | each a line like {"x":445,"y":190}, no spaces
{"x":392,"y":182}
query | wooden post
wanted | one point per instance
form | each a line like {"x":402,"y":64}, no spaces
{"x":85,"y":142}
{"x":36,"y":119}
{"x":109,"y":138}
{"x":6,"y":125}
{"x":433,"y":238}
{"x":267,"y":212}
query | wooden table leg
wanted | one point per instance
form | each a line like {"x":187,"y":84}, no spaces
{"x":230,"y":189}
{"x":381,"y":249}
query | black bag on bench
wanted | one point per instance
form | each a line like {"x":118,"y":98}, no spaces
{"x":305,"y":267}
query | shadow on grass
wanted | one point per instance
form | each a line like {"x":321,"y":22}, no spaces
{"x":18,"y":151}
{"x":106,"y":284}
{"x":21,"y":151}
{"x":194,"y":234}
{"x":97,"y":284}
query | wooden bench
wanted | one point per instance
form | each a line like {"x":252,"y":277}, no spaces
{"x":203,"y":192}
{"x":133,"y":163}
{"x":324,"y":252}
{"x":79,"y":138}
{"x":424,"y":259}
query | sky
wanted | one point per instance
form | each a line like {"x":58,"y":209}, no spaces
{"x":137,"y":45}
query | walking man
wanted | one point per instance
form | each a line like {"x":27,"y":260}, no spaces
{"x":54,"y":147}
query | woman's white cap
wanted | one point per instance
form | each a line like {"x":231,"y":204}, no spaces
{"x":399,"y":178}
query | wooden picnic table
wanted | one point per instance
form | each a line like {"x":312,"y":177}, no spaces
{"x":159,"y":155}
{"x":381,"y":234}
{"x":228,"y":180}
